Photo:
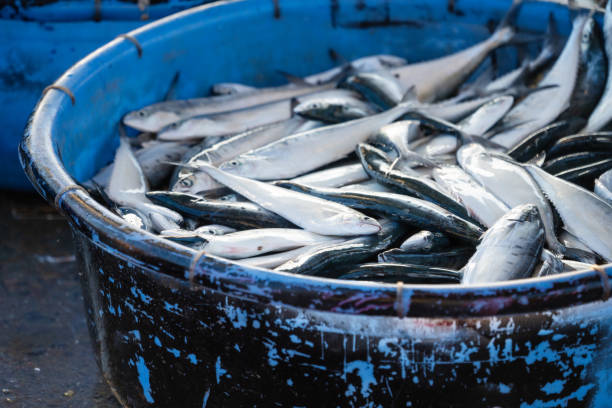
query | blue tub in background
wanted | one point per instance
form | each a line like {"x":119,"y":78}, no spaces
{"x":41,"y":40}
{"x":175,"y":328}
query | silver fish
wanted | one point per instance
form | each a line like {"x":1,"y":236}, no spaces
{"x":154,"y":118}
{"x":602,"y":114}
{"x":152,"y":159}
{"x":425,"y":241}
{"x":228,"y":123}
{"x":510,"y":249}
{"x":439,"y":78}
{"x":603,"y":186}
{"x":583,"y":213}
{"x":308,"y":212}
{"x":127,"y":186}
{"x":541,"y":108}
{"x":271,"y":261}
{"x":550,"y":264}
{"x":249,"y":243}
{"x":510,"y":183}
{"x":480,"y":203}
{"x":340,"y":106}
{"x":302,"y":152}
{"x":231,"y":88}
{"x":334,"y":177}
{"x":191,"y":181}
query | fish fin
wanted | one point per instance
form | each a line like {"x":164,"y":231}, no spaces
{"x":294,"y":79}
{"x":171,"y":92}
{"x":489,"y":144}
{"x":434,"y":122}
{"x":183,"y":165}
{"x":509,"y":19}
{"x":553,"y":39}
{"x":410,"y":95}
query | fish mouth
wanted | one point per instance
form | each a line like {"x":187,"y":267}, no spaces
{"x":374,"y":225}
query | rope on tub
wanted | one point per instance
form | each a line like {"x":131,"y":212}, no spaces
{"x":399,"y":300}
{"x":605,"y":281}
{"x":194,"y":263}
{"x":60,"y":88}
{"x":134,"y":41}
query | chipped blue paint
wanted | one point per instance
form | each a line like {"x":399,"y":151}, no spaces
{"x":143,"y":377}
{"x":157,"y":342}
{"x":236,"y":316}
{"x":219,"y":371}
{"x":237,"y":347}
{"x":554,"y":387}
{"x":504,"y":389}
{"x":365,"y":371}
{"x":192,"y":358}
{"x":139,"y":293}
{"x":174,"y":351}
{"x":296,"y":339}
{"x":290,"y":382}
{"x":579,"y":395}
{"x":135,"y":333}
{"x":173,"y":308}
{"x":205,"y":400}
{"x":256,"y":324}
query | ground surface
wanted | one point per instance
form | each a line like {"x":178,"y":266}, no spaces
{"x":46,"y":358}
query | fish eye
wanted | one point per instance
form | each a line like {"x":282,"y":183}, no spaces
{"x":174,"y":125}
{"x":234,"y":163}
{"x":142,"y":114}
{"x":187,"y":182}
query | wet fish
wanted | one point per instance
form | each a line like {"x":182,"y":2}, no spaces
{"x":274,"y":260}
{"x":377,"y":167}
{"x":240,"y":215}
{"x":127,"y":187}
{"x":302,"y":152}
{"x":603,"y":186}
{"x":390,"y":272}
{"x":598,"y":141}
{"x":573,"y":160}
{"x":336,"y":107}
{"x":435,"y":79}
{"x":231,"y":88}
{"x":334,"y":177}
{"x":586,"y":174}
{"x":550,"y":264}
{"x":152,"y":159}
{"x":311,"y":213}
{"x":249,"y":243}
{"x":510,"y":184}
{"x":541,"y":108}
{"x":381,"y":87}
{"x":602,"y":114}
{"x":583,"y":213}
{"x":479,"y":202}
{"x":190,"y":180}
{"x":425,"y":242}
{"x":542,"y":139}
{"x":510,"y":249}
{"x":331,"y":260}
{"x":452,"y":258}
{"x":409,"y":210}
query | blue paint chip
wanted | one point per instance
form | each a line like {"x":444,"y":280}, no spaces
{"x":157,"y":341}
{"x":192,"y":358}
{"x":143,"y":378}
{"x":554,"y":387}
{"x":503,"y":388}
{"x":174,"y":352}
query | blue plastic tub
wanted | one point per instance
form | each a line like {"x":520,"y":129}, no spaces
{"x":41,"y":40}
{"x":171,"y":328}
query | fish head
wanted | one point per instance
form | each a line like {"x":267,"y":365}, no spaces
{"x":149,"y":120}
{"x":309,"y":109}
{"x":241,"y":166}
{"x":196,"y":183}
{"x":359,"y":224}
{"x":524,"y":213}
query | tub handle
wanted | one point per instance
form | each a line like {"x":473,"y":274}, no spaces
{"x":134,"y":41}
{"x":60,"y":88}
{"x":605,"y":281}
{"x":194,"y":264}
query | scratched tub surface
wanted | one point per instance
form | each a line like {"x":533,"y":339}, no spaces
{"x":172,"y":329}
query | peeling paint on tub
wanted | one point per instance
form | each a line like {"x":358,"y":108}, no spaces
{"x":219,"y":371}
{"x":272,"y":352}
{"x":365,"y":371}
{"x":205,"y":400}
{"x":143,"y":378}
{"x":579,"y":395}
{"x":554,"y":387}
{"x":236,"y":316}
{"x":176,"y":353}
{"x":192,"y":358}
{"x":140,"y":294}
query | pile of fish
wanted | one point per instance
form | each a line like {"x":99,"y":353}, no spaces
{"x":443,"y":171}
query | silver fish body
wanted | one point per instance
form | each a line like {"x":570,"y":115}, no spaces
{"x":510,"y":249}
{"x":541,"y":108}
{"x":510,"y":183}
{"x":311,"y":213}
{"x":480,"y":203}
{"x":583,"y":213}
{"x":603,"y":186}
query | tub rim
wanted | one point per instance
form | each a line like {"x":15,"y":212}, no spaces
{"x":39,"y":158}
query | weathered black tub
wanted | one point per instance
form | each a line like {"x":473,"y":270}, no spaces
{"x":174,"y":329}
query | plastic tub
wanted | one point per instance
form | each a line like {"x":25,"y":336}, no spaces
{"x":40,"y":40}
{"x":171,"y":328}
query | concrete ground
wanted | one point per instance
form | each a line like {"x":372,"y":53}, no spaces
{"x":46,"y":358}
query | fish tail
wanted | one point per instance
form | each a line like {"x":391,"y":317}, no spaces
{"x":506,"y":28}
